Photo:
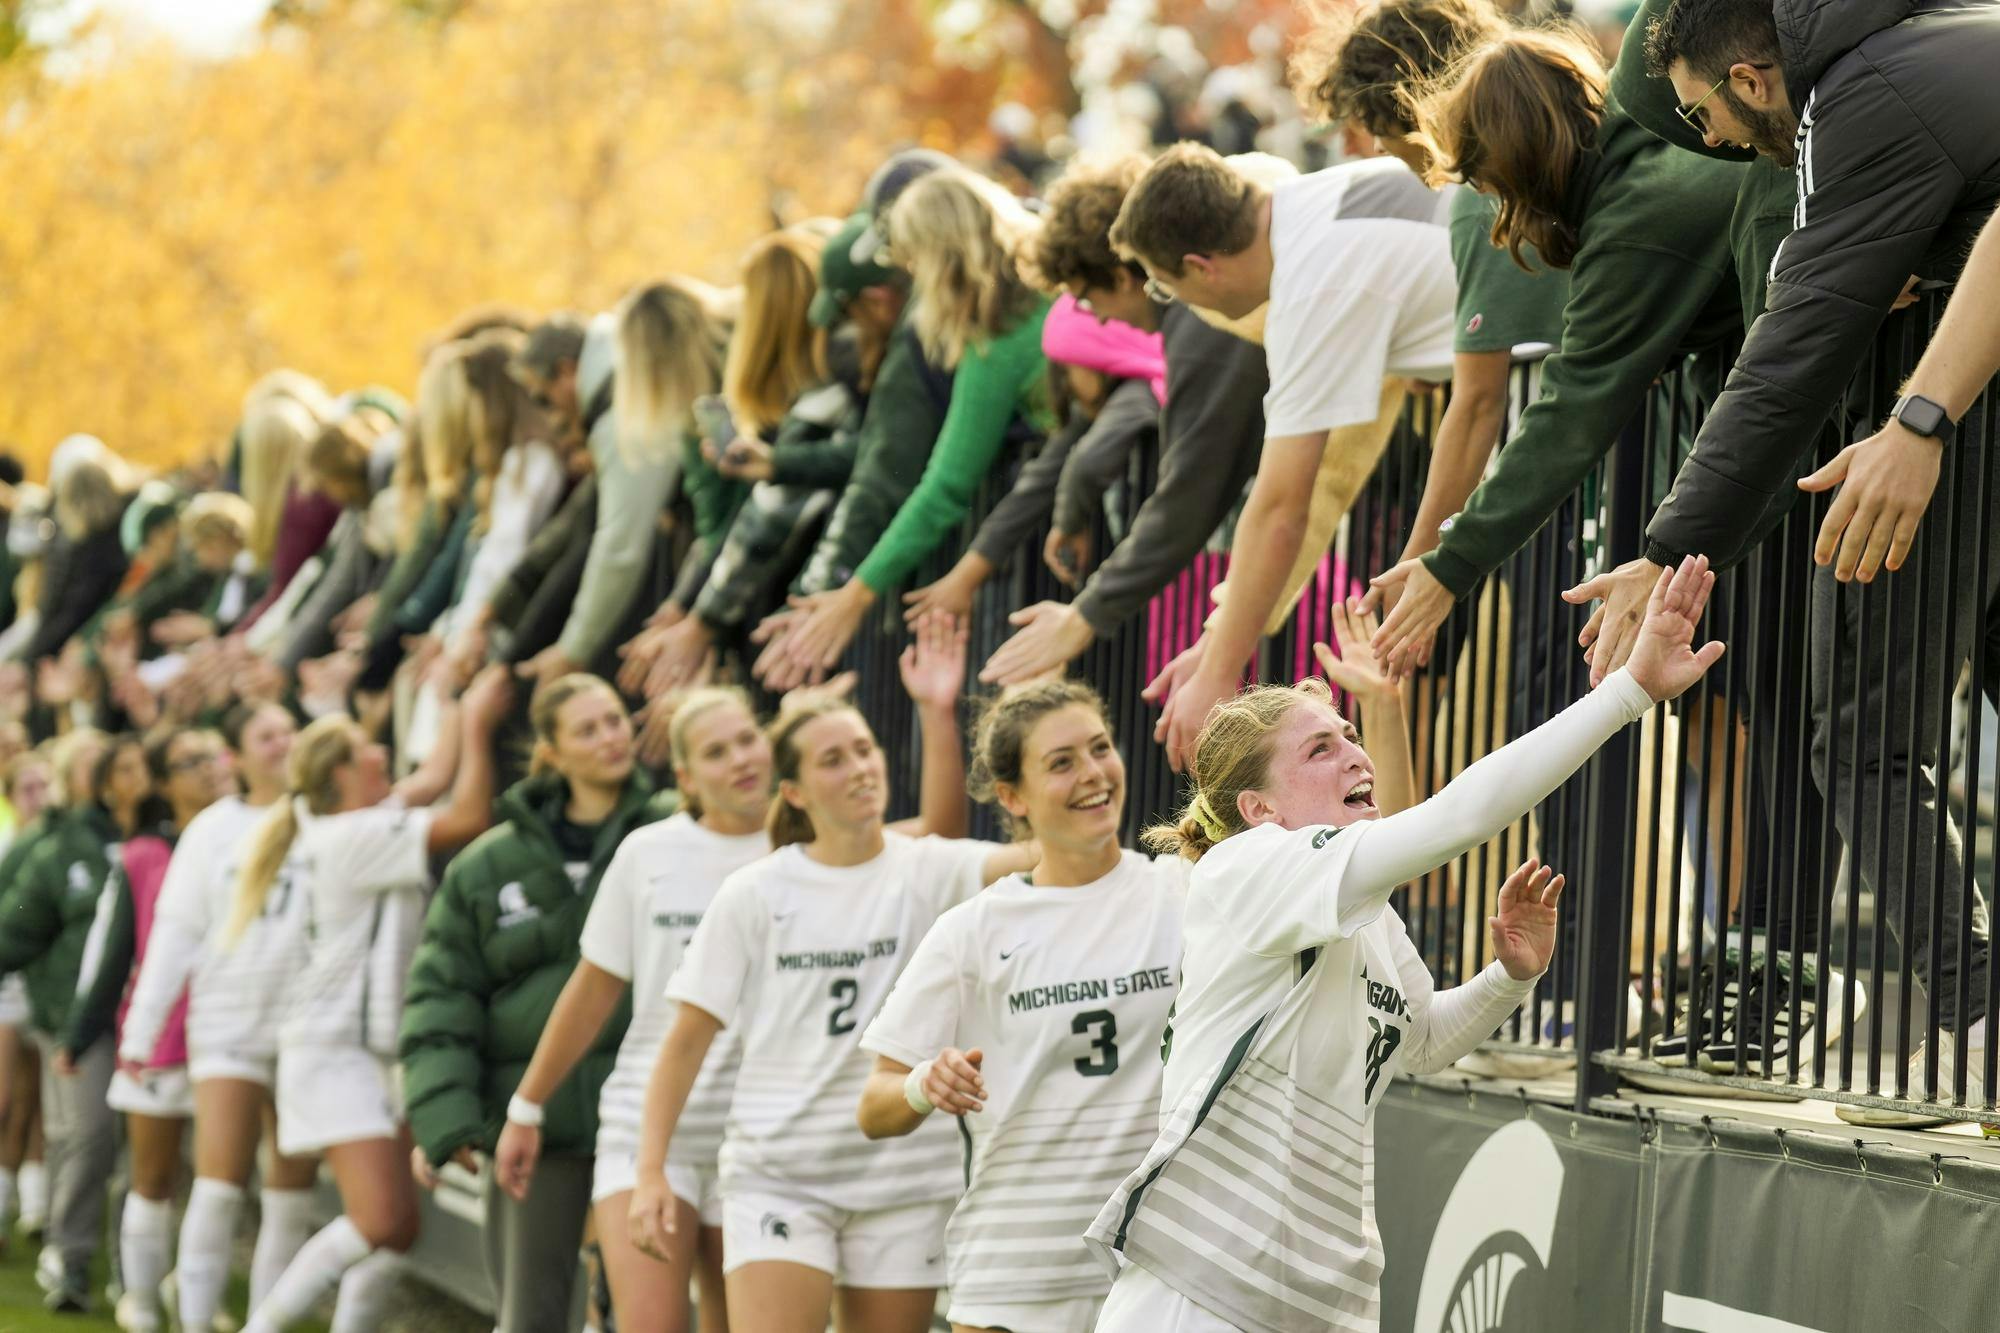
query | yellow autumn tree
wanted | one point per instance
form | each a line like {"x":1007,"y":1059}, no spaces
{"x":330,"y":198}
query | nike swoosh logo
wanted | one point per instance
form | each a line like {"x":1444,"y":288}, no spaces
{"x":1005,"y":954}
{"x":784,"y":916}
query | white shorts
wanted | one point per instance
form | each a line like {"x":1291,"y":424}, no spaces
{"x":259,"y":1069}
{"x":1075,"y":1315}
{"x":900,"y":1247}
{"x":617,"y":1170}
{"x":13,"y":1001}
{"x":329,"y":1095}
{"x":164,"y":1094}
{"x":1141,"y":1303}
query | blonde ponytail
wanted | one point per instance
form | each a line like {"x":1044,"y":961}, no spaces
{"x":1232,"y":755}
{"x":320,"y":749}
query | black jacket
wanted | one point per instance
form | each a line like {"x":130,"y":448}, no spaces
{"x":1899,"y":165}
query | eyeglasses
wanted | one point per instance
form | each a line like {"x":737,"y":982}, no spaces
{"x":193,"y":762}
{"x":1691,"y":114}
{"x":1158,"y":291}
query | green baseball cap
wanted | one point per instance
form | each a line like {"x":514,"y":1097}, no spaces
{"x":842,"y":277}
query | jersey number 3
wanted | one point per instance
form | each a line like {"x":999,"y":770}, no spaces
{"x":843,"y":993}
{"x":1104,"y":1042}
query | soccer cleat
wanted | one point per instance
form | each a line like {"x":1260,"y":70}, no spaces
{"x":132,"y":1316}
{"x":70,"y":1294}
{"x":1875,"y":1117}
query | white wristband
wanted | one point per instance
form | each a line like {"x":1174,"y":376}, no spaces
{"x":524,"y":1112}
{"x":913,"y":1089}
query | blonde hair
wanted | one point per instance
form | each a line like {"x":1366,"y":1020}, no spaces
{"x":319,"y":750}
{"x":693,"y":706}
{"x":545,"y":712}
{"x":958,"y":235}
{"x":1232,"y":755}
{"x":62,"y":758}
{"x":90,"y":497}
{"x":468,"y":404}
{"x":217,"y":516}
{"x":1515,"y":117}
{"x":669,"y":354}
{"x":775,"y":353}
{"x":282,"y":413}
{"x":787,"y":823}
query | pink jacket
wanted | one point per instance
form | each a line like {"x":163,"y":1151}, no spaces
{"x":145,"y":873}
{"x":1078,"y":338}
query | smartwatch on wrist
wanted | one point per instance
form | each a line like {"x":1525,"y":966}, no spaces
{"x":1920,"y":416}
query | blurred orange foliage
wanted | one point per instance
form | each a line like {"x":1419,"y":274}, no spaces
{"x":174,"y":228}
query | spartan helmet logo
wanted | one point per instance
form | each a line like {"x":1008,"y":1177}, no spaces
{"x":775,"y":1227}
{"x":1497,"y":1229}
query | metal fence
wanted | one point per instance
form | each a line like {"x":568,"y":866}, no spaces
{"x":1718,"y":932}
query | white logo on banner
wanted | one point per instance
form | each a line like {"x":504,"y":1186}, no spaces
{"x":1499,"y":1220}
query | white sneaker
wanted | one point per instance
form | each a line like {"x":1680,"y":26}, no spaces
{"x":1874,"y":1117}
{"x":48,"y":1269}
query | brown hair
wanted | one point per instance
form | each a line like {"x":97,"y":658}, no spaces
{"x":1189,"y":202}
{"x":1003,"y":730}
{"x":775,"y":353}
{"x":339,"y":453}
{"x":1516,"y":117}
{"x":1360,"y":65}
{"x":1232,"y":755}
{"x":321,"y":748}
{"x":787,"y":823}
{"x":1075,"y":241}
{"x":545,"y":711}
{"x":694,"y":705}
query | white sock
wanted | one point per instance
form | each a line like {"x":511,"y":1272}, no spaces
{"x":34,"y":1181}
{"x":208,"y":1231}
{"x":145,"y":1242}
{"x":365,"y":1293}
{"x":288,"y":1223}
{"x":9,"y":1196}
{"x":321,"y":1263}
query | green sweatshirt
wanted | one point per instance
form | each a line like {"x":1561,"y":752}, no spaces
{"x":994,"y":381}
{"x":1649,"y":283}
{"x":48,"y":905}
{"x":499,"y":944}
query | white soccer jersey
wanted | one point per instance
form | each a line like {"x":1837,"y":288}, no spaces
{"x":236,"y":990}
{"x":652,"y":896}
{"x":364,"y":875}
{"x":798,"y":957}
{"x":1066,"y":992}
{"x":1302,"y":998}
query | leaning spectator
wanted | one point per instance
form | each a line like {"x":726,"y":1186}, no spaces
{"x":1891,"y":122}
{"x":1211,"y":430}
{"x":351,"y":461}
{"x":281,"y":415}
{"x":1105,"y":378}
{"x":958,"y":236}
{"x":668,"y":339}
{"x":85,"y":560}
{"x":1355,"y":262}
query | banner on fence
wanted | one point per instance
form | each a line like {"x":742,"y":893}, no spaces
{"x":1498,"y":1214}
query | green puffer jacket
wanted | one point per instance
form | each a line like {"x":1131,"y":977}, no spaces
{"x":48,"y":905}
{"x":499,"y":944}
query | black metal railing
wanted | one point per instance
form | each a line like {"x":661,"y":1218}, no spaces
{"x":1714,"y":913}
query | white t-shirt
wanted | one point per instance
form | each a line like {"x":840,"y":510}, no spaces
{"x":1067,"y":993}
{"x":652,"y":896}
{"x":798,"y":958}
{"x":366,"y":874}
{"x":236,"y":990}
{"x":1361,"y":289}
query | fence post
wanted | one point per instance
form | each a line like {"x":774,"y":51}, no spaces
{"x":1601,"y":980}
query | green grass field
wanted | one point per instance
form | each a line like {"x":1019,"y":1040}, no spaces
{"x":21,"y":1309}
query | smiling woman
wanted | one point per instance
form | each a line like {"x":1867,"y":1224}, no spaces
{"x":1015,"y":1011}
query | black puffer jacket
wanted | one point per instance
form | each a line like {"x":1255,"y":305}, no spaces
{"x":1899,"y":165}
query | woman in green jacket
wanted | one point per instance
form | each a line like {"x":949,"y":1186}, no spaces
{"x":500,"y":941}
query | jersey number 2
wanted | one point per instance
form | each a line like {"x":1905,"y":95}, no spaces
{"x":1104,"y":1042}
{"x":843,"y":993}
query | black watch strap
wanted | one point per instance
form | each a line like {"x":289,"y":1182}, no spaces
{"x":1921,"y":416}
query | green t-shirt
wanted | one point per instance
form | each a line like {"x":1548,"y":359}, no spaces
{"x":1500,"y":304}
